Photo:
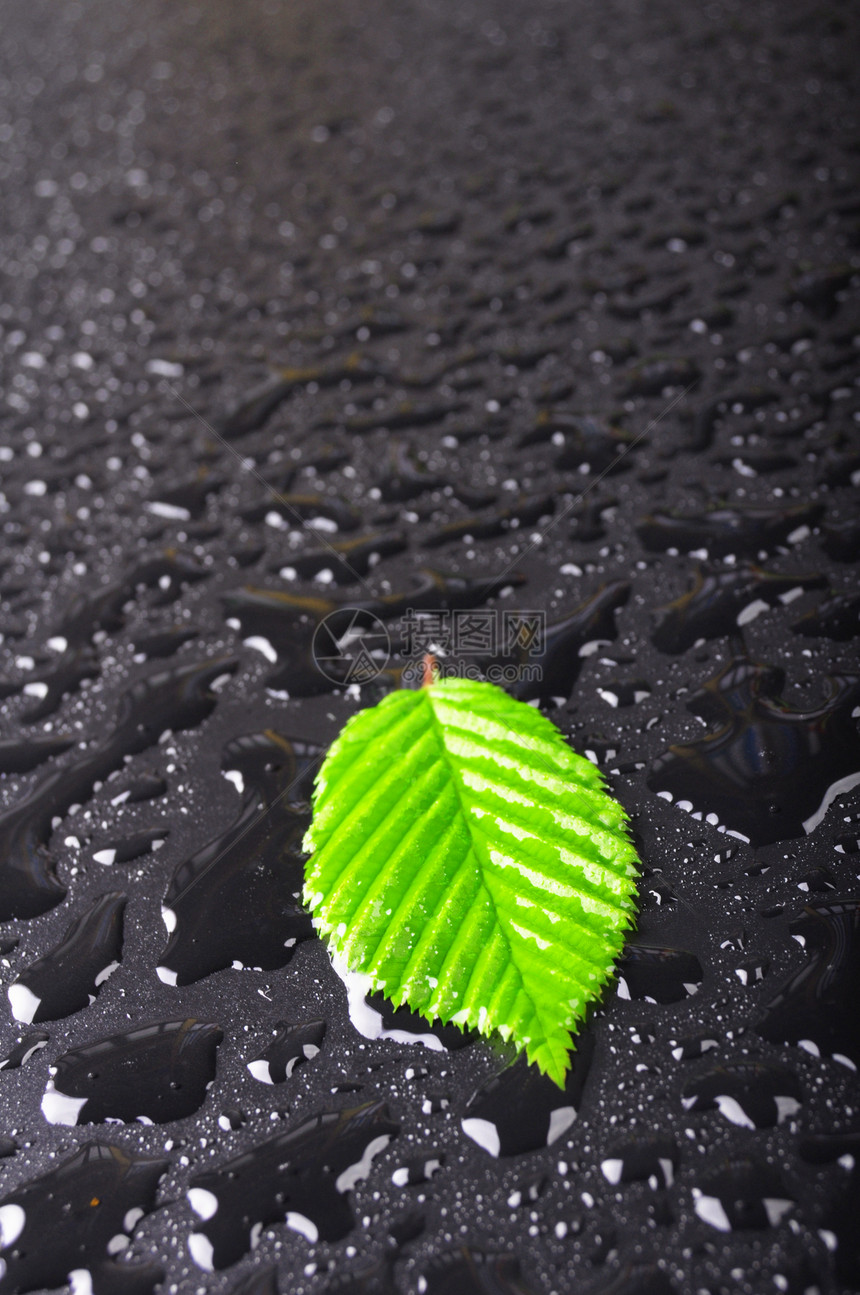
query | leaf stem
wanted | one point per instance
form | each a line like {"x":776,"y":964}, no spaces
{"x":431,"y":669}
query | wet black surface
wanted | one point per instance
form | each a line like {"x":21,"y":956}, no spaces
{"x":312,"y":308}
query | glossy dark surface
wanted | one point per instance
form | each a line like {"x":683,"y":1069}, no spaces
{"x":357,"y":308}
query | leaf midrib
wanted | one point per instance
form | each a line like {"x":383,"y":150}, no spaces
{"x":479,"y":852}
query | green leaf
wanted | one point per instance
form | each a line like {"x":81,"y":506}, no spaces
{"x":469,"y":862}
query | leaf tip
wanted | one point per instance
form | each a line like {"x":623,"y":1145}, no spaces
{"x":552,"y":1058}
